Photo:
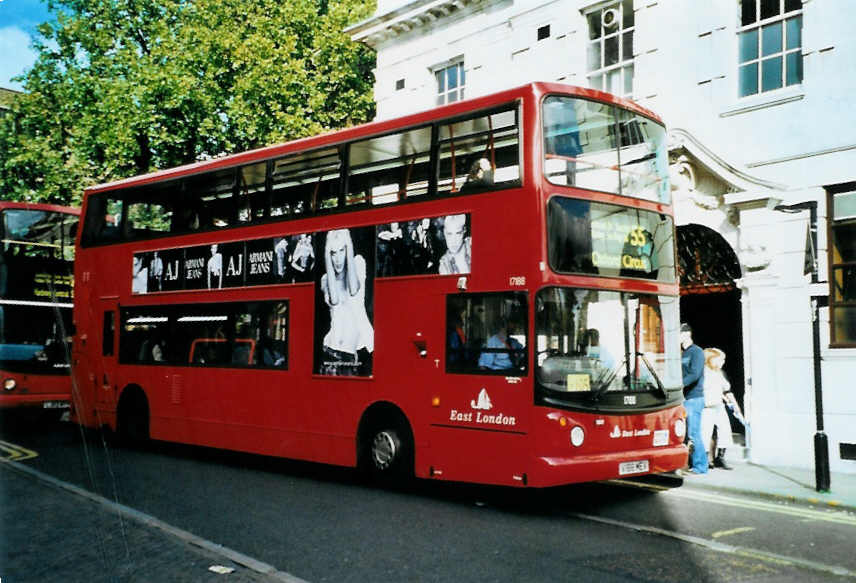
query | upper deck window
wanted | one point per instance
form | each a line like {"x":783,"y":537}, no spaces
{"x":609,"y":240}
{"x":477,"y":152}
{"x":35,"y":233}
{"x":596,"y":146}
{"x":389,"y":168}
{"x":304,"y":182}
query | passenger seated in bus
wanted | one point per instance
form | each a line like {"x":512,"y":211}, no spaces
{"x":242,"y":346}
{"x":457,"y":339}
{"x":502,"y":352}
{"x":151,"y":350}
{"x":270,"y":354}
{"x":157,"y":351}
{"x":481,"y":174}
{"x":106,"y":229}
{"x":185,"y":219}
{"x":241,"y":353}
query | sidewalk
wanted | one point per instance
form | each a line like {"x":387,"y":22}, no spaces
{"x":778,"y":483}
{"x":53,"y":535}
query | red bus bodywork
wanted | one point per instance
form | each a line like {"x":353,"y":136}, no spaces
{"x":297,"y":413}
{"x":31,"y":387}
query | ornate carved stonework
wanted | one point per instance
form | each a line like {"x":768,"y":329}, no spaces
{"x":685,"y":179}
{"x":754,"y":256}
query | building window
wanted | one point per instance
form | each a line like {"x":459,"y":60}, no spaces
{"x":544,"y":32}
{"x":842,"y":268}
{"x":451,"y":81}
{"x":769,"y":45}
{"x":610,"y":48}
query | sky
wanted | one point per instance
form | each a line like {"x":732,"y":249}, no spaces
{"x":18,"y":21}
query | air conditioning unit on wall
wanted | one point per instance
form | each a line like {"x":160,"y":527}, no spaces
{"x":610,"y":18}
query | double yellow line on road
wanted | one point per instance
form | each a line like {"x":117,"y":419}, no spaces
{"x":15,"y":453}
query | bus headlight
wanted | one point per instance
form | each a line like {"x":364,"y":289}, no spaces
{"x":680,"y":428}
{"x":578,"y":435}
{"x":9,"y":384}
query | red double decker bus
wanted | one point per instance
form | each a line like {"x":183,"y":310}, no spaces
{"x":36,"y":295}
{"x":484,"y":292}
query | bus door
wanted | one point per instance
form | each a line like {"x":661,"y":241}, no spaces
{"x":105,"y":367}
{"x":482,"y":414}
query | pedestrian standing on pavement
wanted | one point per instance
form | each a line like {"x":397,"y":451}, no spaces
{"x":716,"y":392}
{"x":692,"y":367}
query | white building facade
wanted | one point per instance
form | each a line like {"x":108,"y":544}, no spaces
{"x":758,"y":97}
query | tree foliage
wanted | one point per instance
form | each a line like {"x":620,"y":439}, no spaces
{"x":124,"y":87}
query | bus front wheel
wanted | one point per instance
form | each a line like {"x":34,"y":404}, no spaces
{"x":388,"y":451}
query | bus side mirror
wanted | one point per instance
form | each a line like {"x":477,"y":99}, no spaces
{"x":420,"y":344}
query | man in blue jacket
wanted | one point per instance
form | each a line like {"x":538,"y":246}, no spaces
{"x":692,"y":367}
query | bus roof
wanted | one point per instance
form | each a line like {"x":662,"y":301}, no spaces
{"x":529,"y":91}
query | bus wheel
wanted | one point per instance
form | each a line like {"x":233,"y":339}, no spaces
{"x":133,"y":417}
{"x":388,"y":453}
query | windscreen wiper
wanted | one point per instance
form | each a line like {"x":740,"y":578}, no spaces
{"x":660,"y":386}
{"x":604,"y":380}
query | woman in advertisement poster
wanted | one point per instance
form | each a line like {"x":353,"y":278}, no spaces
{"x":303,"y":258}
{"x":344,"y":288}
{"x":420,"y":246}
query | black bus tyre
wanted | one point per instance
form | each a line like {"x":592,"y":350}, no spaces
{"x":388,"y":453}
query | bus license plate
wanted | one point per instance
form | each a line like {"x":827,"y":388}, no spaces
{"x":55,"y":405}
{"x":632,"y":467}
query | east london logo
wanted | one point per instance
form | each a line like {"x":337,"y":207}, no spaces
{"x":616,"y":432}
{"x":482,"y":403}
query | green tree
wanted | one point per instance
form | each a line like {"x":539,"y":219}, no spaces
{"x":124,"y":87}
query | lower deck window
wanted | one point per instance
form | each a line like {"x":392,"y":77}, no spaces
{"x":238,"y":334}
{"x":486,"y":333}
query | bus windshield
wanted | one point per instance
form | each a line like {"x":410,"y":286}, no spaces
{"x":592,"y":343}
{"x":597,"y":146}
{"x":37,"y":233}
{"x":31,"y":338}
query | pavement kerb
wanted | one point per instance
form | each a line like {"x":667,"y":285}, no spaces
{"x":152,"y":522}
{"x":697,"y":483}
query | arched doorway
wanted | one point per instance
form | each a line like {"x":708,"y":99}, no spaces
{"x":710,"y":300}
